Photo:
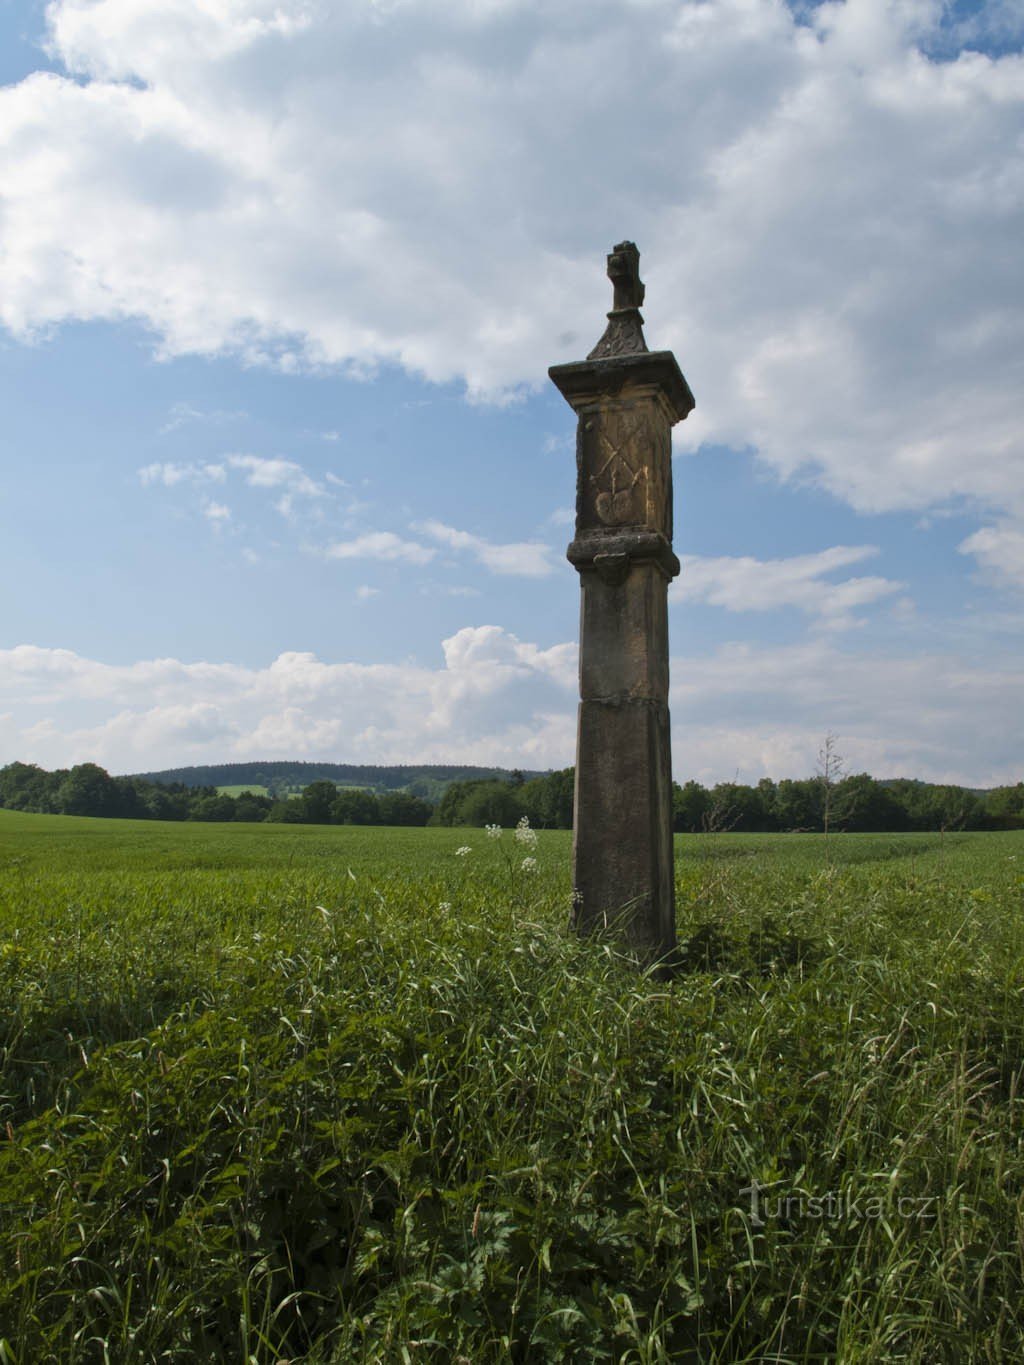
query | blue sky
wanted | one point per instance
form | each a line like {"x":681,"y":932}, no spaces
{"x":279,"y":286}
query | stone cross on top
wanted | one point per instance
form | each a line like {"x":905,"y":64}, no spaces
{"x":624,"y":273}
{"x":624,"y":334}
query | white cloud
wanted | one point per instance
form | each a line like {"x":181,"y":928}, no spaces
{"x":830,"y":218}
{"x":164,"y":711}
{"x":473,"y":646}
{"x":277,"y":473}
{"x":381,"y":545}
{"x":169,"y":474}
{"x":45,"y":676}
{"x":433,"y":589}
{"x":216,"y":512}
{"x":364,"y":592}
{"x":746,"y":584}
{"x":999,"y":551}
{"x":524,"y":559}
{"x":259,"y":472}
{"x":494,"y":698}
{"x":286,"y":478}
{"x":181,"y":413}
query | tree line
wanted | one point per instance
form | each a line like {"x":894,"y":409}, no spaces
{"x":856,"y":803}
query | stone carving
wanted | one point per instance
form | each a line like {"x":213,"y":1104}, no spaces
{"x":617,"y":499}
{"x":624,"y":467}
{"x":624,"y":334}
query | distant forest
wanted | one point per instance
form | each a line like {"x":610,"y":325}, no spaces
{"x":286,"y":779}
{"x":856,"y":803}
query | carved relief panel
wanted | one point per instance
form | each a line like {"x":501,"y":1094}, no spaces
{"x":624,"y":474}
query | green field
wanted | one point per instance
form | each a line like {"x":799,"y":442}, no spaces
{"x":291,"y":1093}
{"x":237,"y":788}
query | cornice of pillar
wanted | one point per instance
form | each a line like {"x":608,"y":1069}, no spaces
{"x":584,"y":382}
{"x":610,"y":553}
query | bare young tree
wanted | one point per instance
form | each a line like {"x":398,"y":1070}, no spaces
{"x":830,"y":772}
{"x":721,"y":817}
{"x":953,"y":817}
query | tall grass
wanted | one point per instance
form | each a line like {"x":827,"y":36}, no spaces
{"x":339,"y":1095}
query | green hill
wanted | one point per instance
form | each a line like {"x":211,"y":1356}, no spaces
{"x":278,"y":778}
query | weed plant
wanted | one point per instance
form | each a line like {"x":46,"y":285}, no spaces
{"x":337,"y":1095}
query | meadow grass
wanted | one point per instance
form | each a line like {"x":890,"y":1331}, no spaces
{"x":283,"y":1093}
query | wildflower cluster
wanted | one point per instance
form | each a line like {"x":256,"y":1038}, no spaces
{"x":524,"y":834}
{"x":516,"y":867}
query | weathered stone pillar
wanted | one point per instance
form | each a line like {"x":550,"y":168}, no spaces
{"x":627,"y":400}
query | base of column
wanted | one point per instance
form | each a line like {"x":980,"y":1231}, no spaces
{"x":623,"y":864}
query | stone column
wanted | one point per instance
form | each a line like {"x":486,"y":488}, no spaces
{"x":627,"y":399}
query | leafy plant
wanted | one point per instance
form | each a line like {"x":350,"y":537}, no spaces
{"x":285,"y":1093}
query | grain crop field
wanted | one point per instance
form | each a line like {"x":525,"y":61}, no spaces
{"x":288,"y":1093}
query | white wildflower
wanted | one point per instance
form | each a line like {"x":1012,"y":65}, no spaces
{"x":529,"y":864}
{"x":526,"y":835}
{"x":461,"y":852}
{"x":445,"y":906}
{"x":493,"y":831}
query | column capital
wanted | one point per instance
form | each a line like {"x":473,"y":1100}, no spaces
{"x":585,"y":382}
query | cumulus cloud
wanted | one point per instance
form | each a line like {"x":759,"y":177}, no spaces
{"x":937,"y":716}
{"x":999,"y":551}
{"x":829,"y":200}
{"x":742,"y":583}
{"x":491,"y":647}
{"x":495,"y":695}
{"x":491,"y":697}
{"x":523,"y":559}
